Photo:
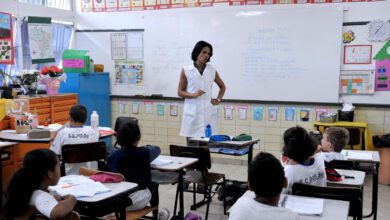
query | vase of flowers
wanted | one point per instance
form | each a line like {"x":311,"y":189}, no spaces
{"x":28,"y":79}
{"x":51,"y":76}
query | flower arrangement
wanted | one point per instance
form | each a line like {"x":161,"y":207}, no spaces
{"x":51,"y":76}
{"x":52,"y":71}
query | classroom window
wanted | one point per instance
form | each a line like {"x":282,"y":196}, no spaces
{"x":60,"y":4}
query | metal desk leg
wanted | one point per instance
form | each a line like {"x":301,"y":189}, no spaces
{"x":374,"y":204}
{"x":363,"y":139}
{"x":181,"y":194}
{"x":250,"y":154}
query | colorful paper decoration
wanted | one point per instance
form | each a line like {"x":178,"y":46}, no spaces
{"x":6,"y":42}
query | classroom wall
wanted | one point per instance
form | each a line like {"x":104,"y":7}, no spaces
{"x":23,"y":9}
{"x":164,"y":130}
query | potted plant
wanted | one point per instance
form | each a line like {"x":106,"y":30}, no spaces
{"x":28,"y":79}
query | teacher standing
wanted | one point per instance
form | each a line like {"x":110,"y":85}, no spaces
{"x":195,"y":85}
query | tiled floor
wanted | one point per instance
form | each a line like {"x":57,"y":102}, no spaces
{"x":238,"y":172}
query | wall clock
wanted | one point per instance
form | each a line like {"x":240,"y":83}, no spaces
{"x":378,"y":30}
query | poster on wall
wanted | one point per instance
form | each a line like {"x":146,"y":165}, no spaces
{"x":129,"y":73}
{"x":118,"y":46}
{"x":86,"y":5}
{"x":111,"y":5}
{"x":6,"y":43}
{"x":382,"y":68}
{"x":357,"y":54}
{"x":40,"y":37}
{"x":124,"y":5}
{"x":99,"y":5}
{"x":355,"y":82}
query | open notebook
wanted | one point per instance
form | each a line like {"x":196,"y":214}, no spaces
{"x":78,"y":186}
{"x":302,"y":205}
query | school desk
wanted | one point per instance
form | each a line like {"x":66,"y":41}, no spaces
{"x":333,"y":209}
{"x":366,"y":142}
{"x":349,"y":178}
{"x":375,"y":162}
{"x":228,"y":144}
{"x":177,"y":165}
{"x":105,"y":203}
{"x":21,"y":148}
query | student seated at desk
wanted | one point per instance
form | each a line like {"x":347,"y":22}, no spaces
{"x":134,"y":163}
{"x":333,"y":142}
{"x":301,"y":167}
{"x":266,"y":179}
{"x":74,"y":133}
{"x":28,"y":193}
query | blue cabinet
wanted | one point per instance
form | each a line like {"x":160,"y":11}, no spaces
{"x":93,"y":91}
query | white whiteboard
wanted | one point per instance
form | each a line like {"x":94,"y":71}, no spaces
{"x":274,"y":54}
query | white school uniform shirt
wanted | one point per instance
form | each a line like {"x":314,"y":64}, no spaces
{"x":43,"y":201}
{"x":313,"y":174}
{"x":199,"y":112}
{"x":249,"y":209}
{"x":329,"y":156}
{"x":75,"y":135}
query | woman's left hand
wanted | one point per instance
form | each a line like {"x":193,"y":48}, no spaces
{"x":215,"y":101}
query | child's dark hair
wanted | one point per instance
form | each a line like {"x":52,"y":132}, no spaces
{"x":338,"y":137}
{"x":266,"y":175}
{"x":198,"y":48}
{"x":25,"y":181}
{"x":298,"y":144}
{"x":128,"y":134}
{"x":78,"y":113}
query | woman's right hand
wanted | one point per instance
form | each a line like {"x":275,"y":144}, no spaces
{"x":199,"y":93}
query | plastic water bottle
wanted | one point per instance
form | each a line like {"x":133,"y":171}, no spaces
{"x":95,"y":120}
{"x":208,"y":131}
{"x":91,"y":66}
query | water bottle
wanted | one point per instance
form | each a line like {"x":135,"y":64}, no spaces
{"x":95,"y":120}
{"x":91,"y":66}
{"x":208,"y":131}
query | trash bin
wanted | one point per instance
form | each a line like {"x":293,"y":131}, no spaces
{"x":382,"y":142}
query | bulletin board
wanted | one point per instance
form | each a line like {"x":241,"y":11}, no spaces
{"x":359,"y":67}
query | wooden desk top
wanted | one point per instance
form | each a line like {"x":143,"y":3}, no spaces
{"x":10,"y":135}
{"x":359,"y":124}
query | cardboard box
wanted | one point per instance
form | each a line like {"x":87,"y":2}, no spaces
{"x":75,"y":61}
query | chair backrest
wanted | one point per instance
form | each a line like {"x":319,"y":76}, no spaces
{"x":201,"y":153}
{"x":120,"y":121}
{"x":341,"y":164}
{"x":354,"y":136}
{"x":353,"y":195}
{"x":79,"y":153}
